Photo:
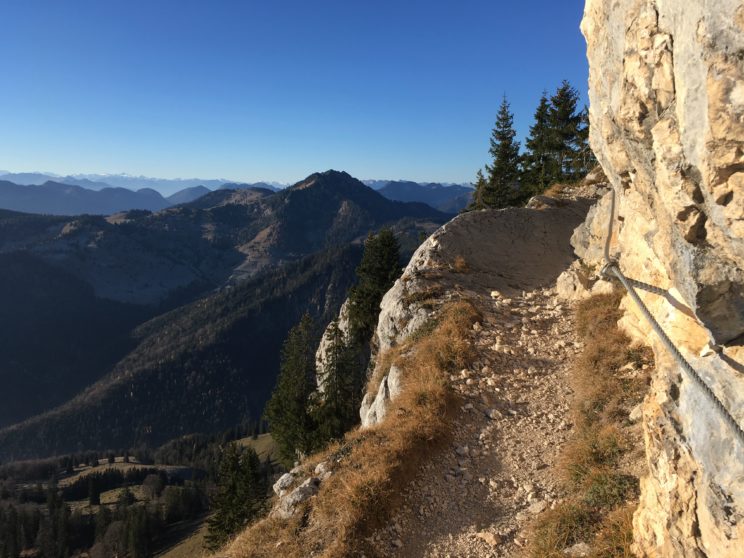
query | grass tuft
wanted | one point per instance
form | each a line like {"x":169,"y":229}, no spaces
{"x":566,"y":525}
{"x":597,"y":461}
{"x":460,"y":265}
{"x":615,"y":537}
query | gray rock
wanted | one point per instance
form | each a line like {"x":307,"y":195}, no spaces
{"x":636,"y":414}
{"x":321,"y":354}
{"x":394,"y":382}
{"x":284,"y":482}
{"x":365,"y":407}
{"x":323,"y":470}
{"x":374,"y":409}
{"x":287,"y":504}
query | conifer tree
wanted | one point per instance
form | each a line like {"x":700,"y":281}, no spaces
{"x":376,"y":273}
{"x":585,"y":160}
{"x":241,"y":494}
{"x":94,"y":493}
{"x":564,"y":128}
{"x":288,"y":411}
{"x":137,"y":535}
{"x":500,"y":188}
{"x":539,"y":164}
{"x":102,"y":521}
{"x":480,"y":187}
{"x":336,"y":407}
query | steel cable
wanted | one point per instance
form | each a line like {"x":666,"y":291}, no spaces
{"x":629,"y":284}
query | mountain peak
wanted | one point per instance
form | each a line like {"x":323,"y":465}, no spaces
{"x":329,"y":177}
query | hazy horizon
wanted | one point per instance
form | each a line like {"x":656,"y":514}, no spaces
{"x":274,"y":92}
{"x":178,"y":183}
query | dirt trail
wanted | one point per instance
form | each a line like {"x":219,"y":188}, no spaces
{"x":477,"y":496}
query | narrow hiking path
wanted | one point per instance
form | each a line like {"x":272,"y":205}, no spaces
{"x":476,"y":496}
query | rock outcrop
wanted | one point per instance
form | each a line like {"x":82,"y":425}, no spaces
{"x":667,"y":115}
{"x":667,"y":125}
{"x":321,"y":355}
{"x":374,"y":406}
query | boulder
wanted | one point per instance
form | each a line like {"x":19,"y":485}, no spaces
{"x":574,"y":284}
{"x":287,"y":504}
{"x":284,"y":482}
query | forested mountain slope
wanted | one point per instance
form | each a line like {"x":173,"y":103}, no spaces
{"x":200,"y":368}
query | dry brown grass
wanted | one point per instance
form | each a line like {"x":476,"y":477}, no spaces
{"x":594,"y":463}
{"x":567,"y":524}
{"x":382,"y":367}
{"x":555,"y":190}
{"x":426,"y":298}
{"x":460,"y":265}
{"x":561,"y":189}
{"x":375,"y":465}
{"x":615,"y":537}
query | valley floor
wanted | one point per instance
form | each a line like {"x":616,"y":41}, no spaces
{"x":477,"y":496}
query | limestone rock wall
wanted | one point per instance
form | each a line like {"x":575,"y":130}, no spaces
{"x":667,"y":125}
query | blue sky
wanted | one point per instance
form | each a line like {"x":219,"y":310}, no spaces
{"x":276,"y":89}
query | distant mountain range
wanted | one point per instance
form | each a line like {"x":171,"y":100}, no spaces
{"x":54,"y":198}
{"x":57,"y":198}
{"x":88,"y":194}
{"x":166,"y":186}
{"x":139,"y":327}
{"x":188,"y":195}
{"x":450,"y":198}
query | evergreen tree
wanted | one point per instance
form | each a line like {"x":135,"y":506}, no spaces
{"x":137,"y":533}
{"x":539,"y":163}
{"x":11,"y":541}
{"x":500,"y":189}
{"x":480,"y":187}
{"x":45,"y":538}
{"x":94,"y":493}
{"x":585,"y":160}
{"x":336,"y":409}
{"x":52,"y":535}
{"x":288,"y":410}
{"x":102,"y":521}
{"x":376,"y":273}
{"x":126,"y":499}
{"x":564,"y":130}
{"x":241,"y":494}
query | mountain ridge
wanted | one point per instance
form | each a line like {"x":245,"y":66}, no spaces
{"x":447,"y":198}
{"x":180,"y":266}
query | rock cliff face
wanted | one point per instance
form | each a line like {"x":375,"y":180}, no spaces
{"x":667,"y":125}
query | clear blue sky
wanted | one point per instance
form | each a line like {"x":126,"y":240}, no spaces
{"x":274,"y":89}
